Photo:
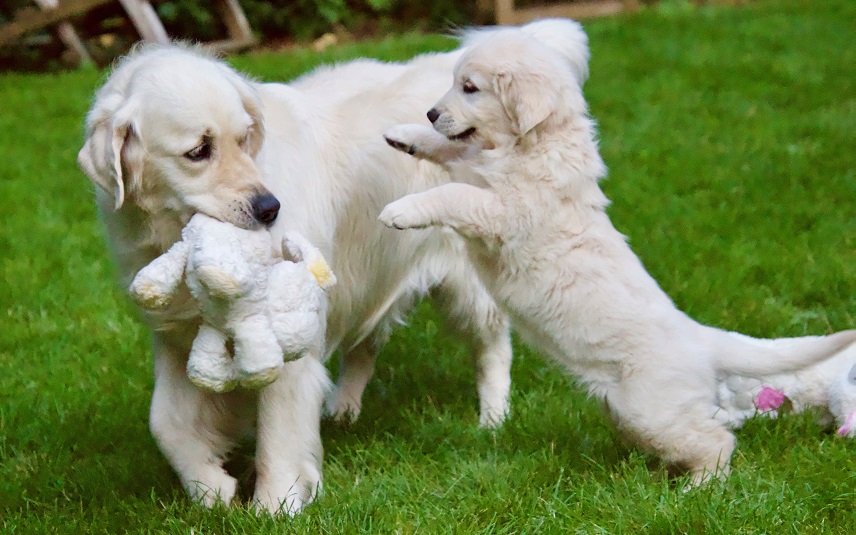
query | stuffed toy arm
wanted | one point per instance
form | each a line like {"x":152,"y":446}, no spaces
{"x":154,"y":286}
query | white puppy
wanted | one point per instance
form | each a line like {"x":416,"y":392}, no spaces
{"x":515,"y":127}
{"x":173,"y":132}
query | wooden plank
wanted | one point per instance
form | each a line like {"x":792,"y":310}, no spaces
{"x":29,"y":19}
{"x":230,"y":45}
{"x":507,"y":14}
{"x":66,"y":33}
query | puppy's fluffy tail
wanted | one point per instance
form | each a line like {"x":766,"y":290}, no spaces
{"x":743,"y":355}
{"x":563,"y":36}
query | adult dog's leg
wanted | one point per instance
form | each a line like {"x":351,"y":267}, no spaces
{"x":471,"y":211}
{"x":288,"y":451}
{"x":355,"y":370}
{"x":194,"y":429}
{"x":472,"y":312}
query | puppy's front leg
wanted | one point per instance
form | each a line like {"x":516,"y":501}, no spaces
{"x":424,"y":143}
{"x":471,"y":211}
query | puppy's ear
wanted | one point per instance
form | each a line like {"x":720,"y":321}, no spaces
{"x":528,"y":99}
{"x":112,"y":155}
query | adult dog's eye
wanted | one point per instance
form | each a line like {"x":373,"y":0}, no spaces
{"x":244,"y":142}
{"x":199,"y":152}
{"x":470,"y":87}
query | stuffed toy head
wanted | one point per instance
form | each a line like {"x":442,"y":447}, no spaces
{"x":228,"y":270}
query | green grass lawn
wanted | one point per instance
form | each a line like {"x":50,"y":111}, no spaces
{"x":731,"y":140}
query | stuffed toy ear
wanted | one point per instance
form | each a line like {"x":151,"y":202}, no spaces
{"x":111,"y":151}
{"x":302,"y":251}
{"x":528,"y":99}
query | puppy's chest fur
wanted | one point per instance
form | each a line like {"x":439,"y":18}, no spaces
{"x":527,"y":256}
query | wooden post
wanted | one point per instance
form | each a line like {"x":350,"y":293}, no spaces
{"x":506,"y":13}
{"x":145,"y":20}
{"x":66,"y":33}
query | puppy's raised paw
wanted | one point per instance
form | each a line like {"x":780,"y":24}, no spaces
{"x":400,"y":145}
{"x":403,"y":214}
{"x":406,"y":137}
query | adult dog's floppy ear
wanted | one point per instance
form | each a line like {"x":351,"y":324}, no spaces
{"x":112,"y":155}
{"x":528,"y":99}
{"x":253,"y":106}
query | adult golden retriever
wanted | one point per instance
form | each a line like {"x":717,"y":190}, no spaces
{"x":173,"y":132}
{"x":514,"y":128}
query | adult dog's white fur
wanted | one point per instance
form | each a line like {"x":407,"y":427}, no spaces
{"x":515,"y":130}
{"x":173,"y":132}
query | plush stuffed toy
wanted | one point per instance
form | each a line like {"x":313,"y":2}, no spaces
{"x":272,"y":309}
{"x":829,"y":386}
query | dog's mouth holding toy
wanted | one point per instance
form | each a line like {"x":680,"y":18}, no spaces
{"x":461,"y":136}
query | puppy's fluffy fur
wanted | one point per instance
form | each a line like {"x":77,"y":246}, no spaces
{"x":514,"y":128}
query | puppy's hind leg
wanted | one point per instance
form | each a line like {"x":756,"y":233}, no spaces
{"x":676,"y":425}
{"x":425,"y":143}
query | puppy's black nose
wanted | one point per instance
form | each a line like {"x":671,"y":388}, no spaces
{"x":265,"y":208}
{"x":433,"y":115}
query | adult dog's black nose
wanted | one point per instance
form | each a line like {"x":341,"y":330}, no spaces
{"x":265,"y":208}
{"x":433,"y":115}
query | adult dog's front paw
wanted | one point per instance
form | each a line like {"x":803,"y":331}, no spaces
{"x":402,"y":214}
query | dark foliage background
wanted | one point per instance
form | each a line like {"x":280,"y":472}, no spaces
{"x":109,"y":33}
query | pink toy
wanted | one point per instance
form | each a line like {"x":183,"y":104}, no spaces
{"x":769,"y":399}
{"x":829,"y":386}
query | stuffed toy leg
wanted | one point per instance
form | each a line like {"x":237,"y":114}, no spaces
{"x":209,"y":365}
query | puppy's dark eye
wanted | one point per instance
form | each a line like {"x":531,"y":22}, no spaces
{"x":199,"y":152}
{"x":470,"y":87}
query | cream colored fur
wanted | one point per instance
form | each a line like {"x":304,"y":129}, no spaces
{"x":316,"y":145}
{"x":526,"y":163}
